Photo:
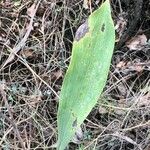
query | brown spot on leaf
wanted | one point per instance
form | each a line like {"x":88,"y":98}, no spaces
{"x":81,"y":31}
{"x":74,"y":123}
{"x":103,"y":27}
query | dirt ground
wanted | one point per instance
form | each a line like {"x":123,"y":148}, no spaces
{"x":35,"y":48}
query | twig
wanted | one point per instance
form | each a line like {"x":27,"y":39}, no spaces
{"x":137,"y":126}
{"x":11,"y":119}
{"x":34,"y":73}
{"x":22,"y":43}
{"x":126,"y":139}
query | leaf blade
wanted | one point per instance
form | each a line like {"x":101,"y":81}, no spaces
{"x":87,"y":73}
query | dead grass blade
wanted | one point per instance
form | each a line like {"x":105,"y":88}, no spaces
{"x":11,"y":119}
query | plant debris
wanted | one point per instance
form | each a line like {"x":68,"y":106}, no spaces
{"x":35,"y":48}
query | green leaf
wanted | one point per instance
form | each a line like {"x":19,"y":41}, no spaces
{"x":87,"y":73}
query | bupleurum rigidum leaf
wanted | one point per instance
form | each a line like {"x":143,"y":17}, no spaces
{"x":87,"y":73}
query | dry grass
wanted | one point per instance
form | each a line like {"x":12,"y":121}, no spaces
{"x":30,"y":83}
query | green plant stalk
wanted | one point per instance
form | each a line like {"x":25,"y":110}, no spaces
{"x":87,"y":73}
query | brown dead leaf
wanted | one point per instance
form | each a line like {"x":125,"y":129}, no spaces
{"x":121,"y":64}
{"x":56,"y":75}
{"x":135,"y":66}
{"x":119,"y":111}
{"x":102,"y":110}
{"x":139,"y":68}
{"x":6,"y":3}
{"x":137,"y":42}
{"x":31,"y":10}
{"x":27,"y":53}
{"x":122,"y":89}
{"x":35,"y":99}
{"x":120,"y":26}
{"x":121,"y":104}
{"x":85,"y":4}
